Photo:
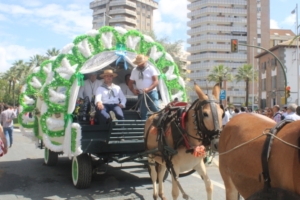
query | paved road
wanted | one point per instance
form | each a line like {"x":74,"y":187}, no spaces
{"x":23,"y":176}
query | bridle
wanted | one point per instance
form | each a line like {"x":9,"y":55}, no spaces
{"x":204,"y":134}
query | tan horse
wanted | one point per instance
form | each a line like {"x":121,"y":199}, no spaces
{"x":241,"y":168}
{"x":184,"y":161}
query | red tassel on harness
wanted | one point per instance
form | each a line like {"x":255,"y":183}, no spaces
{"x":199,"y":151}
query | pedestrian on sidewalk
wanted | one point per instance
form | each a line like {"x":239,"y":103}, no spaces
{"x":3,"y":143}
{"x":6,"y":119}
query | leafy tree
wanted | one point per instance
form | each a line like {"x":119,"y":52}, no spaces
{"x":175,"y":49}
{"x":245,"y":73}
{"x":220,"y":73}
{"x":52,"y":52}
{"x":36,"y":60}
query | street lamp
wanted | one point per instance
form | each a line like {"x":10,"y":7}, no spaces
{"x":104,"y":18}
{"x":254,"y":38}
{"x":297,"y":53}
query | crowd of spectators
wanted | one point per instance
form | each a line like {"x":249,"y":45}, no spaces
{"x":291,"y":111}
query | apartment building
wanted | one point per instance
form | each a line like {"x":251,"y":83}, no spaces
{"x":213,"y":23}
{"x":280,"y":35}
{"x":129,"y":14}
{"x":272,"y":76}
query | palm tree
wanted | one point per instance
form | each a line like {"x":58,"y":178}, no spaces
{"x":220,"y":73}
{"x":173,"y":48}
{"x":245,"y":73}
{"x":36,"y":60}
{"x":52,"y":52}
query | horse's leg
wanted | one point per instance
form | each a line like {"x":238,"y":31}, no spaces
{"x":175,"y":189}
{"x":161,"y":174}
{"x":200,"y":168}
{"x":153,"y":175}
{"x":231,"y":191}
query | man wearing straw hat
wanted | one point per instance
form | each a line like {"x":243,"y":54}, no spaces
{"x":145,"y":77}
{"x":109,"y":97}
{"x":90,"y":86}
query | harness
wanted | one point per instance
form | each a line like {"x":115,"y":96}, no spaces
{"x":175,"y":117}
{"x":270,"y":193}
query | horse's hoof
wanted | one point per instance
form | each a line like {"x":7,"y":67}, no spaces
{"x":185,"y":196}
{"x":155,"y":196}
{"x":162,"y":197}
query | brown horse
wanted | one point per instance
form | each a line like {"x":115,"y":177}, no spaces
{"x":241,"y":168}
{"x":183,"y":160}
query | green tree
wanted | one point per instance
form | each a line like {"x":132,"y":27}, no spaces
{"x":52,"y":52}
{"x":220,"y":73}
{"x":36,"y":60}
{"x":245,"y":73}
{"x":174,"y":48}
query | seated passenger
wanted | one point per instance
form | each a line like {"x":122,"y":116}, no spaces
{"x":124,"y":86}
{"x":108,"y":98}
{"x":90,"y":86}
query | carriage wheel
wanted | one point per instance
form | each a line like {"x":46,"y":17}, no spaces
{"x":50,"y":157}
{"x":82,"y":171}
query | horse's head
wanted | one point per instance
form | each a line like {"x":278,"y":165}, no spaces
{"x":205,"y":115}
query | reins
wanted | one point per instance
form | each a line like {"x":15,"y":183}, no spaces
{"x":264,"y":133}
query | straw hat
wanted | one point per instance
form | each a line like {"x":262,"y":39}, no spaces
{"x":140,"y":59}
{"x":108,"y":72}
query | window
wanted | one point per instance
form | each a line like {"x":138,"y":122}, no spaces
{"x":148,"y":24}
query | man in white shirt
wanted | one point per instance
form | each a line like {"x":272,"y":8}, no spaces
{"x":291,"y":112}
{"x":124,"y":86}
{"x":109,"y":97}
{"x":226,"y":117}
{"x":90,"y":86}
{"x":145,"y":77}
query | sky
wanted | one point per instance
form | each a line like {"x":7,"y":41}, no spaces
{"x":29,"y":27}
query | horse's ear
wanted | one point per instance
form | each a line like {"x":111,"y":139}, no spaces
{"x":199,"y":92}
{"x":216,"y":91}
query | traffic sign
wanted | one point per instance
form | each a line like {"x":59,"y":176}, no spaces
{"x":223,"y":94}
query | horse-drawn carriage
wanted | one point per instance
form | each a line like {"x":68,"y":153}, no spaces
{"x":51,"y":94}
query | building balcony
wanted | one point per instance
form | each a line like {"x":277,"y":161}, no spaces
{"x":215,"y":38}
{"x":212,"y":47}
{"x":151,"y":3}
{"x":209,"y":65}
{"x":99,"y":11}
{"x":217,"y":11}
{"x":215,"y":29}
{"x":96,"y":3}
{"x":122,"y":3}
{"x":218,"y":56}
{"x":217,"y":20}
{"x":123,"y":20}
{"x":204,"y":3}
{"x":122,"y":11}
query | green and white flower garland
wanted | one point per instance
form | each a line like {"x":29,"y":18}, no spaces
{"x":52,"y":88}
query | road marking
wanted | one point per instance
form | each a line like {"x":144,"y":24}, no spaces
{"x":220,"y":185}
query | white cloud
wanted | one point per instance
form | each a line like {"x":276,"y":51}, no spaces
{"x":176,"y":9}
{"x":167,"y":19}
{"x":31,"y":3}
{"x":11,"y":53}
{"x":70,"y":20}
{"x":273,"y":24}
{"x":290,"y":20}
{"x":2,"y":18}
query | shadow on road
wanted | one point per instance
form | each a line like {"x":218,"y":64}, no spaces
{"x":30,"y":178}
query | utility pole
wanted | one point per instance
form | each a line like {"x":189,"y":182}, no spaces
{"x":253,"y":64}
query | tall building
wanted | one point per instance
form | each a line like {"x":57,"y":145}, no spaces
{"x":272,"y":75}
{"x":213,"y":23}
{"x":129,"y":14}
